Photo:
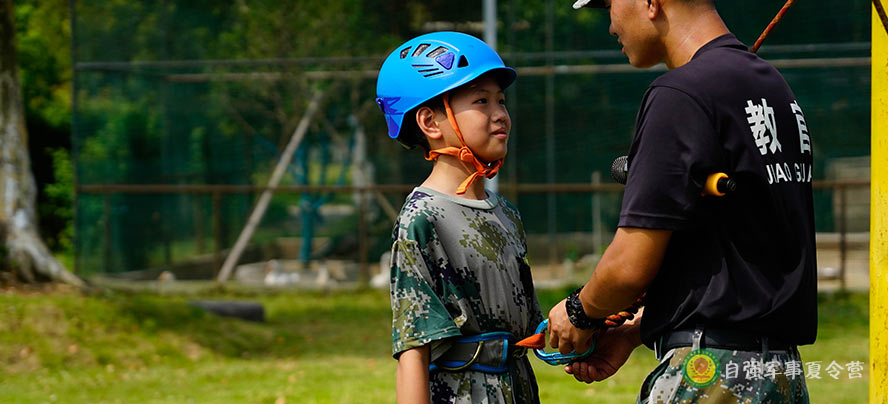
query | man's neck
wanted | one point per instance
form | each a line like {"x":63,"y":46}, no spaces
{"x":688,"y":30}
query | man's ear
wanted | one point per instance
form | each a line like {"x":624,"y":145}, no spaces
{"x":425,"y":120}
{"x":654,"y":8}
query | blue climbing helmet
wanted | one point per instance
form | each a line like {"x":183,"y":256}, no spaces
{"x":430,"y":65}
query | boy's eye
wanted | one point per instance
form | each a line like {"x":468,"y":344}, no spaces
{"x":481,"y":100}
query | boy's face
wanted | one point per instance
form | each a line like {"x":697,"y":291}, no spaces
{"x":631,"y":24}
{"x":480,"y":111}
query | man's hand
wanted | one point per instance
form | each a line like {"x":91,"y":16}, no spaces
{"x":563,"y":335}
{"x":612,"y":349}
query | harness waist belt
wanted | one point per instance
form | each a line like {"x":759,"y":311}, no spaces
{"x":489,"y":352}
{"x":721,"y":339}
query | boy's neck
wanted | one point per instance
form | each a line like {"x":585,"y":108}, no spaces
{"x":447,"y":175}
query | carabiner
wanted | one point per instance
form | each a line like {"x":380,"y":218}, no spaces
{"x":558,"y":358}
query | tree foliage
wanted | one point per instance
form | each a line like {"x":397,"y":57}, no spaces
{"x":171,"y":123}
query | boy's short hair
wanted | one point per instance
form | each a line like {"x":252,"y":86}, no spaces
{"x":411,"y":136}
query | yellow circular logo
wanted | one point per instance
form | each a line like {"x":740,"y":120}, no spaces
{"x":700,"y":368}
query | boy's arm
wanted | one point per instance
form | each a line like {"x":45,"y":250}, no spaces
{"x":413,"y":376}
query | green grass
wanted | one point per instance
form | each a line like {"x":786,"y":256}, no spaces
{"x":64,"y":347}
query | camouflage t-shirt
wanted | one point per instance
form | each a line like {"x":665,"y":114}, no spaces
{"x":459,"y":268}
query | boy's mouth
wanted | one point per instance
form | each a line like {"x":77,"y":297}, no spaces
{"x":501,"y":134}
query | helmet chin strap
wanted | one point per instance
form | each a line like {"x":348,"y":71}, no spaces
{"x":464,"y":154}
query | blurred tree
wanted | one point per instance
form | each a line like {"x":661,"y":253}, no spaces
{"x":25,"y":253}
{"x":43,"y":39}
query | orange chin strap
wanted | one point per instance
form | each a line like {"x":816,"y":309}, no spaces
{"x":464,"y":154}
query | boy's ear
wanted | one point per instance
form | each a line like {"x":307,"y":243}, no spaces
{"x":425,"y":120}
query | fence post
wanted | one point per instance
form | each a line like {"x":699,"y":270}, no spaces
{"x":843,"y":229}
{"x":362,"y":237}
{"x":106,"y":208}
{"x":597,"y":237}
{"x":217,"y":233}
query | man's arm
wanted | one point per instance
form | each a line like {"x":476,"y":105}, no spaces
{"x":412,"y":383}
{"x":626,"y":269}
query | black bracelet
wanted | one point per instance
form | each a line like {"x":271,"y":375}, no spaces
{"x":577,"y":315}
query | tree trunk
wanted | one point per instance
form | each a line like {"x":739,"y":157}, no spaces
{"x":25,"y":250}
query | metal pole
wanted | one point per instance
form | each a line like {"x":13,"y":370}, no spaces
{"x":490,"y":38}
{"x":878,"y":300}
{"x":552,"y":211}
{"x":217,"y":231}
{"x":363,"y":242}
{"x":511,"y":103}
{"x":197,"y":217}
{"x":490,"y":23}
{"x":75,"y":145}
{"x":843,"y":244}
{"x":597,"y":237}
{"x":106,"y":208}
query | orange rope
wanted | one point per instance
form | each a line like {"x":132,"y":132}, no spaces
{"x":771,"y":26}
{"x":464,"y":154}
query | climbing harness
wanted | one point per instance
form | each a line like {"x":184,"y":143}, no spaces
{"x":489,"y":353}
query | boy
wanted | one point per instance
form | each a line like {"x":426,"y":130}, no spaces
{"x":461,"y":288}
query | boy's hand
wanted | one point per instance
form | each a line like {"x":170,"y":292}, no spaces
{"x":563,"y":335}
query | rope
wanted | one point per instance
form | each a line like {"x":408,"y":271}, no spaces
{"x":771,"y":26}
{"x":881,"y":11}
{"x":464,"y":154}
{"x":617,"y":319}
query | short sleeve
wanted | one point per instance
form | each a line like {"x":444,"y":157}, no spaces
{"x":676,"y":147}
{"x":419,"y":316}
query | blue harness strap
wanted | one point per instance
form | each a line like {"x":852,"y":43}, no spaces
{"x":488,"y":352}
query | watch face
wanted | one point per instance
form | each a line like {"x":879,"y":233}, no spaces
{"x":577,"y":315}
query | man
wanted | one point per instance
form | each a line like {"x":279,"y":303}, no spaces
{"x":730,"y":281}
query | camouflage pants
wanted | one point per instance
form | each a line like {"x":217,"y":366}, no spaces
{"x":711,"y":375}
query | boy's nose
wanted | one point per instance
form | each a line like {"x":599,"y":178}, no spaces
{"x":500,"y":113}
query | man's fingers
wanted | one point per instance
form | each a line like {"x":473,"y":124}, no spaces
{"x":581,"y":372}
{"x":565,"y":346}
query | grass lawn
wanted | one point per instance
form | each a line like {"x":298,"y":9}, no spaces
{"x":61,"y":346}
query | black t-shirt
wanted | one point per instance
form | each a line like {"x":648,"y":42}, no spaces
{"x":745,"y":261}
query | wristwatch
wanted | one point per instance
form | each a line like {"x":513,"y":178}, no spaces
{"x":577,"y":315}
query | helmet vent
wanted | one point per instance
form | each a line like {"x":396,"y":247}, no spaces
{"x":463,"y":62}
{"x":419,"y":49}
{"x":427,"y":70}
{"x":439,"y":50}
{"x":405,"y":51}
